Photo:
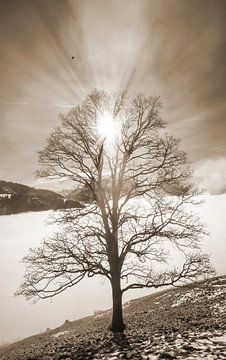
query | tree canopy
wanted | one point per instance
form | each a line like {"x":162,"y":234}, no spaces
{"x":141,"y":184}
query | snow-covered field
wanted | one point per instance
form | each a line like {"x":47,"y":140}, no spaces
{"x":20,"y":232}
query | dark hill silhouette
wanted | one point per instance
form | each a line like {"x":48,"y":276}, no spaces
{"x":16,"y":198}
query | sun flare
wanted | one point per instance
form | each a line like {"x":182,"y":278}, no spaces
{"x":108,"y":127}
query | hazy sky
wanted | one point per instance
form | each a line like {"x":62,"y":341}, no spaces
{"x":172,"y":48}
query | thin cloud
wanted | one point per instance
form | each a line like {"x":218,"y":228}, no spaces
{"x":36,"y":104}
{"x":211,"y":175}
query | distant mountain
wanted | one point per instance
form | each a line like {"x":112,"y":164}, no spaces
{"x":64,"y":192}
{"x":16,"y":198}
{"x":81,"y":194}
{"x":84,"y":194}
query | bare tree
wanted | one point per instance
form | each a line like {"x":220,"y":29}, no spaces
{"x":141,"y":185}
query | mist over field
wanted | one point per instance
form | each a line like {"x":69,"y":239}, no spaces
{"x":19,"y":232}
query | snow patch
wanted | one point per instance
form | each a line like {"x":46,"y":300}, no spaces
{"x":184,"y":298}
{"x":220,"y":339}
{"x":196,"y":295}
{"x":60,"y":333}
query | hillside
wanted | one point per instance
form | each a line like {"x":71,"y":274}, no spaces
{"x":180,"y":323}
{"x":16,"y":198}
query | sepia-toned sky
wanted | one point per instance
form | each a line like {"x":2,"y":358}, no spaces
{"x":172,"y":48}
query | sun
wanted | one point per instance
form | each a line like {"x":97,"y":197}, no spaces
{"x":108,"y":127}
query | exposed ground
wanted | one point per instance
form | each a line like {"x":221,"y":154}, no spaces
{"x":183,"y":323}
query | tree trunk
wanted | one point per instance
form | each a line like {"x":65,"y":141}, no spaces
{"x":117,"y":324}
